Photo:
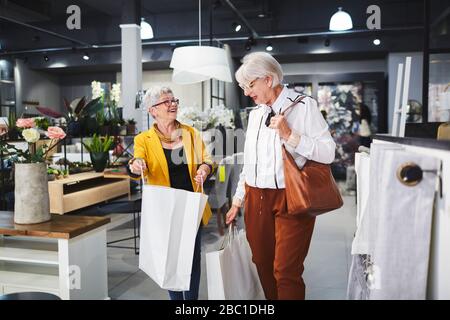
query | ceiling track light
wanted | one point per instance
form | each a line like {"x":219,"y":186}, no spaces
{"x":236,"y":26}
{"x":327,"y":42}
{"x":46,"y":58}
{"x":249,"y":43}
{"x":86,"y":56}
{"x":377,"y":42}
{"x":269,"y":47}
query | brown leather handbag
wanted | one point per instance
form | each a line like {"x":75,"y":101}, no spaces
{"x":310,"y":190}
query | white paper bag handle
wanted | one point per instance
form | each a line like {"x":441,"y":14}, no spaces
{"x":198,"y":185}
{"x":231,"y":234}
{"x":142,"y":176}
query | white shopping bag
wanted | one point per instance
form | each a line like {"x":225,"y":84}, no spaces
{"x":231,"y":274}
{"x":170,"y":219}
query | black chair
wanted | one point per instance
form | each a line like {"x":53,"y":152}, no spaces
{"x":29,"y":296}
{"x":129,"y":206}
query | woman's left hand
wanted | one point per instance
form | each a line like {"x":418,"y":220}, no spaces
{"x":279,"y":123}
{"x":201,"y":176}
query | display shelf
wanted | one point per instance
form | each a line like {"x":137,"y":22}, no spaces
{"x":29,"y":276}
{"x":27,"y":255}
{"x":31,"y":251}
{"x":65,"y":256}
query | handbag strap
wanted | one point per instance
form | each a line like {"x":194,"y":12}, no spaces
{"x":296,"y":101}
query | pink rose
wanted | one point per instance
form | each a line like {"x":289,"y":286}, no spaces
{"x":25,"y":123}
{"x":55,"y":133}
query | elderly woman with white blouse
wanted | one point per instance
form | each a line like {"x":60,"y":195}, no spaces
{"x":279,"y":241}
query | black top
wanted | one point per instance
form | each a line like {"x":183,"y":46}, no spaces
{"x":178,"y":169}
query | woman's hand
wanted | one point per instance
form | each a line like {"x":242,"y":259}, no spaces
{"x":279,"y":123}
{"x":138,"y":166}
{"x":231,"y":214}
{"x":202,"y":174}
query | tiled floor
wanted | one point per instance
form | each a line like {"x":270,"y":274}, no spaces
{"x":326,"y":267}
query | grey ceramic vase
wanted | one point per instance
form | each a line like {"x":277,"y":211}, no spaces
{"x":31,"y":203}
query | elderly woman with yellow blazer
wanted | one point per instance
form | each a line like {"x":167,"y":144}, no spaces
{"x":172,"y":154}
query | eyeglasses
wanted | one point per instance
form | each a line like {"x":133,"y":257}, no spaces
{"x":249,"y":86}
{"x":167,"y":103}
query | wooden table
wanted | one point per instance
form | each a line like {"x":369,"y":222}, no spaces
{"x":65,"y":256}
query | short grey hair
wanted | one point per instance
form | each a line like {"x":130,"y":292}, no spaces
{"x":153,"y":94}
{"x":259,"y":65}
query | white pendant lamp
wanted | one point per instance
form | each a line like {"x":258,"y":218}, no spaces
{"x":192,"y":64}
{"x":146,"y":30}
{"x":341,"y":21}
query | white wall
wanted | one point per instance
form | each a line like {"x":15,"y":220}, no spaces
{"x":416,"y":81}
{"x":36,"y":86}
{"x":333,"y":67}
{"x":189,"y":95}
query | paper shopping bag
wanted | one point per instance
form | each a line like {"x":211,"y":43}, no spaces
{"x":231,"y":274}
{"x":170,"y":219}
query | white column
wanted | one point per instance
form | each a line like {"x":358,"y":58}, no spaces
{"x":131,"y":71}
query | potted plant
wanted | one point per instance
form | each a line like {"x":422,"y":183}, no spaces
{"x":123,"y":127}
{"x":77,"y":112}
{"x":98,"y":148}
{"x":131,"y":127}
{"x":30,"y":172}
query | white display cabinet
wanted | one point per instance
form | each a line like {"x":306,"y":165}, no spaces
{"x":65,"y":257}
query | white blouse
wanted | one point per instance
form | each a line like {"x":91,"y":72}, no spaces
{"x":310,"y":140}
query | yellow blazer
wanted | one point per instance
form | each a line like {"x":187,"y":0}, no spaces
{"x":147,"y":146}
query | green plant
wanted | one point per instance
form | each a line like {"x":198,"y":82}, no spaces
{"x":42,"y":123}
{"x":99,"y":144}
{"x":100,"y":117}
{"x":12,"y":121}
{"x":75,"y":110}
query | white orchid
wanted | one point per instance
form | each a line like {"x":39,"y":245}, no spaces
{"x":202,"y":120}
{"x":97,"y":90}
{"x":115,"y":93}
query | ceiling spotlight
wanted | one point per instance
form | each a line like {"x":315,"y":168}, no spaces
{"x":146,"y":30}
{"x":269,"y":47}
{"x":86,"y":56}
{"x":46,"y":58}
{"x":327,"y":43}
{"x":261,"y":15}
{"x":377,"y":42}
{"x":341,"y":21}
{"x":236,"y":26}
{"x":249,"y":43}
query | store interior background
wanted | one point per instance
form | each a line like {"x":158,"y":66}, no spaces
{"x":39,"y":68}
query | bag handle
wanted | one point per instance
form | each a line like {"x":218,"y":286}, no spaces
{"x":198,"y":185}
{"x":295,"y":102}
{"x":142,"y":176}
{"x":143,"y":182}
{"x":231,"y":234}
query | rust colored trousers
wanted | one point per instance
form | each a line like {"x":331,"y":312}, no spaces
{"x":279,"y":242}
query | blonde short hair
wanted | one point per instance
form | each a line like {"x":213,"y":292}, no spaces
{"x":259,"y":65}
{"x":153,"y":94}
